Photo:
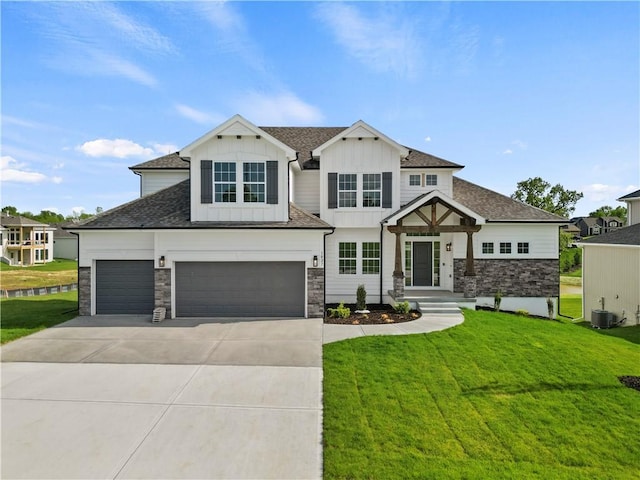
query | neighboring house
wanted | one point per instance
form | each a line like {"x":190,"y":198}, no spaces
{"x":571,"y":229}
{"x":278,"y":221}
{"x":611,"y":272}
{"x":65,"y":243}
{"x":590,"y":226}
{"x":633,"y":207}
{"x":25,"y":241}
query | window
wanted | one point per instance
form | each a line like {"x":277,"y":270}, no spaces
{"x":347,"y":190}
{"x":414,"y":180}
{"x":347,"y":258}
{"x":370,"y":257}
{"x":253,"y":179}
{"x":408,"y":263}
{"x":523,"y":247}
{"x":505,"y":247}
{"x":431,"y":180}
{"x":487,"y":248}
{"x":371,"y":189}
{"x":224,"y":178}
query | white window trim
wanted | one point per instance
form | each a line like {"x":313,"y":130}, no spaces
{"x":239,"y":184}
{"x":341,"y":190}
{"x":379,"y":190}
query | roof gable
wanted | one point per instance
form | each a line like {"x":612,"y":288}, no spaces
{"x":359,"y":130}
{"x":237,"y":126}
{"x":427,"y":198}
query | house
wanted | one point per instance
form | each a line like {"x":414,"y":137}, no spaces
{"x":590,"y":226}
{"x":279,"y":221}
{"x":611,"y":268}
{"x":25,"y":241}
{"x":65,"y":243}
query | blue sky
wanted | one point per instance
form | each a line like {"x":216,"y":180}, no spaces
{"x":511,"y":90}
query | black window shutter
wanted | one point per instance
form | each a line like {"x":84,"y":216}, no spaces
{"x":387,"y":188}
{"x":333,"y":190}
{"x":206,"y":181}
{"x":272,"y":182}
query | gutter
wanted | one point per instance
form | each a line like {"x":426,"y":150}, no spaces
{"x":324,"y":265}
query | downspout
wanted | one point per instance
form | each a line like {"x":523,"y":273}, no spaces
{"x":140,"y":175}
{"x":77,"y":272}
{"x":324,"y":265}
{"x":289,"y":196}
{"x":381,"y":258}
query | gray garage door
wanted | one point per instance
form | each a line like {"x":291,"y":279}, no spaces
{"x":240,"y":289}
{"x":124,"y":286}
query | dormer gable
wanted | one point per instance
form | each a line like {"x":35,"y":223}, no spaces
{"x":361,"y":130}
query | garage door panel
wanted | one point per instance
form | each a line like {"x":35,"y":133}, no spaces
{"x":234,"y":289}
{"x":124,"y":287}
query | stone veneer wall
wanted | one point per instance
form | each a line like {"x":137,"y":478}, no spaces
{"x":162,"y":290}
{"x":515,"y":277}
{"x":84,"y":291}
{"x":315,"y":292}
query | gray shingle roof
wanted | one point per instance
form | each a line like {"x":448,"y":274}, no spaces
{"x":417,"y":159}
{"x":631,"y":195}
{"x":170,"y":161}
{"x":169,"y":208}
{"x":19,"y":221}
{"x":495,"y":207}
{"x":622,"y":236}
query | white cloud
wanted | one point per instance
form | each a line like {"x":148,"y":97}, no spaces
{"x":281,"y":109}
{"x":427,"y":139}
{"x":165,"y":148}
{"x":508,"y":151}
{"x":13,"y":171}
{"x":387,"y":42}
{"x":198,"y":116}
{"x":119,"y":148}
{"x":599,"y":192}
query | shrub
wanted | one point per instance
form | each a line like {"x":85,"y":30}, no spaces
{"x":361,"y":298}
{"x":402,"y":307}
{"x":340,"y":311}
{"x":522,"y":312}
{"x":550,"y":307}
{"x":497,"y":300}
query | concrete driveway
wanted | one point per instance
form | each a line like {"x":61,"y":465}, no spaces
{"x":120,"y":397}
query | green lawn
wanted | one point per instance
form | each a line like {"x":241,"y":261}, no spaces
{"x":500,"y":396}
{"x":571,"y":306}
{"x":26,"y":315}
{"x":57,"y":265}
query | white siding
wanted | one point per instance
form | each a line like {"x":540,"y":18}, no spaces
{"x":115,"y":245}
{"x":306,"y":190}
{"x":245,"y":149}
{"x":542,"y":239}
{"x":633,"y":212}
{"x":358,"y":156}
{"x":152,"y":181}
{"x":612,"y":272}
{"x":409,"y":192}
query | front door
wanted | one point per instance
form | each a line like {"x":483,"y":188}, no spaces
{"x":422,"y":264}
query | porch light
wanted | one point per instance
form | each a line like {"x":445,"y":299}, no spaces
{"x":315,"y":260}
{"x":449,"y":247}
{"x":161,"y":261}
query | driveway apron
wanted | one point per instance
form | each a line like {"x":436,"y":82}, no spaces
{"x":121,"y":397}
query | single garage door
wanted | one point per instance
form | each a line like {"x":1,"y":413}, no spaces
{"x":124,"y":286}
{"x":240,"y":289}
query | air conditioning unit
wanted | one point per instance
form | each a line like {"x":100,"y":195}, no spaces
{"x":602,"y":319}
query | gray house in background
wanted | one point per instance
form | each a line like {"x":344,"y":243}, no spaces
{"x":590,"y":226}
{"x":65,"y":244}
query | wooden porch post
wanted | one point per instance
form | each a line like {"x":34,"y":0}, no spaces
{"x":398,"y":274}
{"x":470,"y":281}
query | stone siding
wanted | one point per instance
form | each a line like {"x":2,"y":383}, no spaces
{"x":84,"y":291}
{"x":162,"y":291}
{"x":315,"y":292}
{"x":514,"y":277}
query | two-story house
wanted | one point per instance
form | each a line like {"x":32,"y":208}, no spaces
{"x":597,"y":225}
{"x":25,"y":242}
{"x":279,"y":221}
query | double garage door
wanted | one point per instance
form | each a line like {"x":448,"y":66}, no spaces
{"x":204,"y":289}
{"x":240,"y":289}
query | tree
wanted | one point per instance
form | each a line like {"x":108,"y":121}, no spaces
{"x":49,"y":217}
{"x":10,"y":210}
{"x":555,"y":199}
{"x":607,"y":211}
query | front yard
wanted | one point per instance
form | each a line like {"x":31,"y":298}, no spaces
{"x":500,"y":396}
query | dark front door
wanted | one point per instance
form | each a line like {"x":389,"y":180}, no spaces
{"x":422,"y":264}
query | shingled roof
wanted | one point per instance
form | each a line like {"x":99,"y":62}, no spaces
{"x":495,"y":207}
{"x":631,"y":195}
{"x":7,"y":220}
{"x":169,"y":208}
{"x":622,"y":236}
{"x":170,"y":161}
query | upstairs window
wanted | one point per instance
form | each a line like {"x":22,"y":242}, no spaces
{"x":430,"y":180}
{"x":347,"y":190}
{"x":371,"y":189}
{"x":347,"y":258}
{"x":224,"y":179}
{"x":254,"y":183}
{"x":523,"y":247}
{"x":370,"y":257}
{"x":505,"y":247}
{"x":414,"y":180}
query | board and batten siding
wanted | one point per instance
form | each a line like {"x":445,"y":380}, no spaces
{"x":359,"y":157}
{"x":409,"y":192}
{"x":611,"y":272}
{"x":245,"y":149}
{"x":306,"y":190}
{"x":151,"y":182}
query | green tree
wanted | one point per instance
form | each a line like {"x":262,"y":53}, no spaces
{"x":540,"y":193}
{"x":607,"y":211}
{"x":10,"y":210}
{"x":49,"y":217}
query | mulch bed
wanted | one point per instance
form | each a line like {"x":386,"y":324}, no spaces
{"x":631,"y":382}
{"x":378,"y":315}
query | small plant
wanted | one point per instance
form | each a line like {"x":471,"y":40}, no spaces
{"x":550,"y":307}
{"x":522,"y":312}
{"x":402,"y":307}
{"x":497,"y":300}
{"x":340,"y":311}
{"x":361,"y":298}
